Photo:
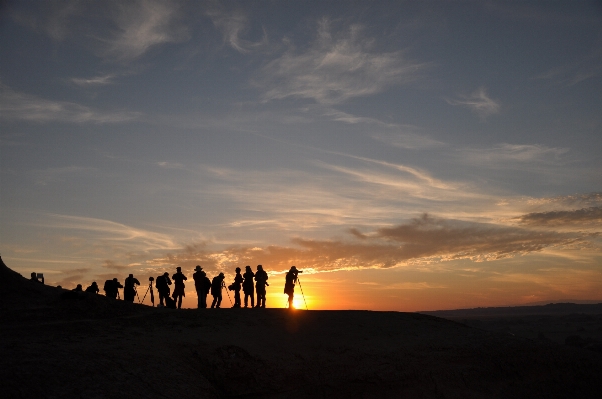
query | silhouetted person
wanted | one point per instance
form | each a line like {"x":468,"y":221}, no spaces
{"x":200,"y":284}
{"x":262,"y":280}
{"x":289,"y":287}
{"x":178,"y":291}
{"x":237,"y":285}
{"x":93,"y":288}
{"x":206,"y":289}
{"x":111,"y":288}
{"x":248,"y":286}
{"x":162,"y":284}
{"x":78,"y":288}
{"x":129,"y":290}
{"x":34,"y":277}
{"x":216,"y":290}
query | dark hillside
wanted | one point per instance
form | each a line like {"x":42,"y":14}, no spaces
{"x":89,"y":346}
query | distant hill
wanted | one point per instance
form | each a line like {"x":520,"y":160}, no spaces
{"x":548,"y":309}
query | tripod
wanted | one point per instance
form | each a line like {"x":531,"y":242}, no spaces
{"x":152,"y":295}
{"x":299,"y":280}
{"x":224,"y":286}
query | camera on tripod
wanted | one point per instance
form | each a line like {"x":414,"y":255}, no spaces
{"x":151,"y":279}
{"x":231,"y":287}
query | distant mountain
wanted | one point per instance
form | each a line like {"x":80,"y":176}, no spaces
{"x":547,"y":309}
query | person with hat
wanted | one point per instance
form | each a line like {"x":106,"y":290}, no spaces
{"x":129,"y":290}
{"x":236,"y":286}
{"x":289,"y":286}
{"x":262,"y":280}
{"x":248,"y":287}
{"x":162,"y":284}
{"x":178,"y":291}
{"x":201,"y":286}
{"x":216,"y":290}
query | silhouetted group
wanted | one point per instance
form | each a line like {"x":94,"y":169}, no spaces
{"x":251,"y":283}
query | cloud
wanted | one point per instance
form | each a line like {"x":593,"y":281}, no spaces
{"x":580,"y":217}
{"x":423,"y":240}
{"x":109,"y":264}
{"x":478,"y":102}
{"x":21,"y":106}
{"x":335,"y":69}
{"x":508,"y":155}
{"x":94,"y":81}
{"x":51,"y":175}
{"x":100,"y":230}
{"x":587,"y":67}
{"x":141,"y":25}
{"x":232,"y":24}
{"x":52,"y":17}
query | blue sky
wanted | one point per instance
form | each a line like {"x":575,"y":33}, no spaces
{"x":431,"y":154}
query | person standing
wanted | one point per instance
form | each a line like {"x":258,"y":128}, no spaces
{"x":129,"y":290}
{"x":216,"y":290}
{"x":262,"y":280}
{"x":206,"y":289}
{"x":237,"y":284}
{"x":162,"y":284}
{"x":201,"y":287}
{"x":178,"y":291}
{"x":248,"y":286}
{"x":289,"y":286}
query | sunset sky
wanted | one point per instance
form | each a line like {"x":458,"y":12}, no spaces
{"x":406,"y":155}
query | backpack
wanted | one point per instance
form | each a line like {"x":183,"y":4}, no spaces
{"x":170,"y":303}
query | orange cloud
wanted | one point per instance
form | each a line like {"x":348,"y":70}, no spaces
{"x":422,"y":240}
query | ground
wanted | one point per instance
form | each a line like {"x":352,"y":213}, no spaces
{"x":57,"y":345}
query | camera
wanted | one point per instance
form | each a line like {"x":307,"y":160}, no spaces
{"x":151,"y":279}
{"x":231,"y":287}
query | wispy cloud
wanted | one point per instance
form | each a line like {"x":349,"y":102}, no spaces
{"x":21,"y":106}
{"x":587,"y":67}
{"x":508,"y":155}
{"x":141,"y":25}
{"x":100,"y":80}
{"x":580,"y":217}
{"x":423,"y":240}
{"x":53,"y":17}
{"x":232,"y":24}
{"x":335,"y":69}
{"x":108,"y":231}
{"x":51,"y":175}
{"x":478,"y":102}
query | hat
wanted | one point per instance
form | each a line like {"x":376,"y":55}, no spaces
{"x":178,"y":268}
{"x":259,"y":267}
{"x":247,"y":267}
{"x":198,"y":267}
{"x":293,"y":268}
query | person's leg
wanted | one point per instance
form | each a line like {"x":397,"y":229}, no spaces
{"x":290,"y":300}
{"x":179,"y":301}
{"x":252,"y":299}
{"x":214,"y":301}
{"x":219,"y":301}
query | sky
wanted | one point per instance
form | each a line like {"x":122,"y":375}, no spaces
{"x":406,"y":156}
